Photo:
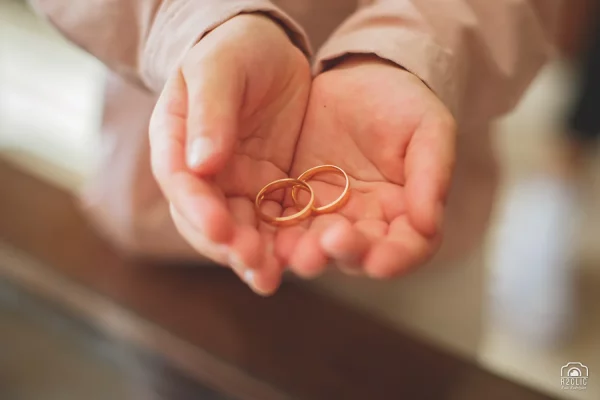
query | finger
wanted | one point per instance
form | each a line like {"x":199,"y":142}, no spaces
{"x":252,"y":262}
{"x":344,"y":244}
{"x":399,"y":252}
{"x":267,"y":281}
{"x":308,"y":259}
{"x":215,"y":89}
{"x":194,"y":198}
{"x":287,"y":238}
{"x":247,"y":250}
{"x":429,"y":164}
{"x":270,"y":261}
{"x":286,"y":241}
{"x":215,"y":252}
{"x":167,"y":131}
{"x":372,"y":229}
{"x":197,"y":201}
{"x":350,"y":269}
{"x":240,"y":256}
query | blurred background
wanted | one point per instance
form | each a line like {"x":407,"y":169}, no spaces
{"x":543,"y":249}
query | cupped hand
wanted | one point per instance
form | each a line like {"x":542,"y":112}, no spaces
{"x":226,"y":124}
{"x":396,"y":141}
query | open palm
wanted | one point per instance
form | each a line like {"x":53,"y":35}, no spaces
{"x":225,"y":125}
{"x":395,"y":140}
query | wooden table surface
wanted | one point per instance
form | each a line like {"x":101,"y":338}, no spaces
{"x":208,"y":326}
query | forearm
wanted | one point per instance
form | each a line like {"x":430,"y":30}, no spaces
{"x":477,"y":55}
{"x":145,"y":40}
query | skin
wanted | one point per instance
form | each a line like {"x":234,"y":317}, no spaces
{"x":243,"y":111}
{"x":397,"y":145}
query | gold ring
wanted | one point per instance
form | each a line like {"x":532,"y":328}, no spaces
{"x":290,"y":219}
{"x":333,"y":206}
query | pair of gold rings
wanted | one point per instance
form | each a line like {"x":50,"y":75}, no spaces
{"x":301,"y":184}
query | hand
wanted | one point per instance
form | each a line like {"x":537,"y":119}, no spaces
{"x":226,"y":124}
{"x":396,"y":141}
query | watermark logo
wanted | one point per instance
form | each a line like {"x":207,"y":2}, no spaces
{"x":574,"y":376}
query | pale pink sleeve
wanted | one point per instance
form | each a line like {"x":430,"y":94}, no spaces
{"x":145,"y":40}
{"x":477,"y":55}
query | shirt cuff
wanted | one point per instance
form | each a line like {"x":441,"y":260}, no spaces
{"x":179,"y":25}
{"x":412,"y":49}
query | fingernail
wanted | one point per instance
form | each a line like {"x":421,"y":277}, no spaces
{"x":246,"y":273}
{"x":237,"y":264}
{"x":249,"y":277}
{"x":200,"y":149}
{"x":352,"y":270}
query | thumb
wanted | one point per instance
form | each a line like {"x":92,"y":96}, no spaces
{"x":430,"y":161}
{"x":215,"y":91}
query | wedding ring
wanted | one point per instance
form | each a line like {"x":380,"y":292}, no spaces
{"x":336,"y":204}
{"x":290,"y":219}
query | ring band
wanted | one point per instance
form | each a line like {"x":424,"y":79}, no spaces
{"x":336,"y":204}
{"x":290,"y":219}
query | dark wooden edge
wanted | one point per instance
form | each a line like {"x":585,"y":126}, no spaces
{"x":129,"y":371}
{"x":297,"y":344}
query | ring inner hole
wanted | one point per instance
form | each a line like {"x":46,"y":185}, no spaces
{"x":325,"y":186}
{"x":270,"y":205}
